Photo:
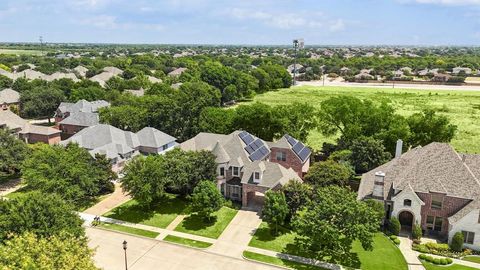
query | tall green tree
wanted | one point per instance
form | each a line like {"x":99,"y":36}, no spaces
{"x":40,"y":213}
{"x":12,"y":152}
{"x":427,"y":127}
{"x":258,"y":119}
{"x":327,"y":173}
{"x":70,"y":172}
{"x":297,"y":195}
{"x":275,"y":209}
{"x":40,"y":102}
{"x":216,"y":120}
{"x":29,"y":251}
{"x":298,"y":119}
{"x":330,"y":223}
{"x":367,"y":154}
{"x":206,"y":199}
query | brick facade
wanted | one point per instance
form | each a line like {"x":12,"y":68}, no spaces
{"x":292,"y":160}
{"x":35,"y":138}
{"x":450,"y":206}
{"x":69,"y":130}
{"x":248,"y":192}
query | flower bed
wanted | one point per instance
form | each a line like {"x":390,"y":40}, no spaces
{"x":441,"y":250}
{"x":437,"y":261}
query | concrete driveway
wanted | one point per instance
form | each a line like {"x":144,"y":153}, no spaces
{"x":146,"y":254}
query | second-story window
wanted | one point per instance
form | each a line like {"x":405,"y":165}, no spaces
{"x":281,"y":156}
{"x":437,"y":201}
{"x":407,"y":202}
{"x":256,"y":176}
{"x":236,"y":171}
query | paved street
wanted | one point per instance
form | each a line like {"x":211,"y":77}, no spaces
{"x":146,"y":254}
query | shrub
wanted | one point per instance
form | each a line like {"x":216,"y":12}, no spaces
{"x":393,"y":237}
{"x":394,"y":226}
{"x":443,"y":261}
{"x":437,"y":247}
{"x":449,"y":261}
{"x":457,"y":242}
{"x":436,"y":261}
{"x":429,"y":259}
{"x":417,"y":241}
{"x":422,"y":256}
{"x":417,"y":232}
{"x":396,"y":241}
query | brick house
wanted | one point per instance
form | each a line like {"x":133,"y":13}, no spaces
{"x":76,"y":122}
{"x":9,"y":98}
{"x":247,"y":166}
{"x":26,"y":131}
{"x":65,"y":109}
{"x":433,"y":186}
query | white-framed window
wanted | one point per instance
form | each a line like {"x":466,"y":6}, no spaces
{"x":256,"y":176}
{"x":407,"y":202}
{"x":235,"y":171}
{"x":281,"y":156}
{"x":434,"y":223}
{"x":468,"y":237}
{"x":437,"y":201}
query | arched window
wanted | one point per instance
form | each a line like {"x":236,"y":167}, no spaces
{"x":407,"y":202}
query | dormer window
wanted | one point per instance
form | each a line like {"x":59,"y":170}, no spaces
{"x":256,"y":176}
{"x":407,"y":202}
{"x":235,"y":171}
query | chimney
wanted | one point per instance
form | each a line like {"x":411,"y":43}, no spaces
{"x":398,"y":149}
{"x":378,"y":185}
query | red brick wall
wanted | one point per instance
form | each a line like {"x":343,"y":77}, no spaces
{"x":450,"y":206}
{"x":247,"y":188}
{"x":70,"y":129}
{"x":51,"y":139}
{"x":292,"y":160}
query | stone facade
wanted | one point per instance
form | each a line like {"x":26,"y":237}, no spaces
{"x":469,"y":223}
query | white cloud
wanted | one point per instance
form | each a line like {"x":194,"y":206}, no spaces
{"x":111,"y":22}
{"x":288,"y":20}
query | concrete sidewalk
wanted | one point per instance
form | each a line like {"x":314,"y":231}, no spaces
{"x":117,"y":198}
{"x":409,"y":254}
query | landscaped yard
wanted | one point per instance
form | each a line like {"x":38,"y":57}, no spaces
{"x":475,"y":259}
{"x":462,"y":107}
{"x":278,"y":261}
{"x":384,"y":256}
{"x":186,"y":242}
{"x":130,"y":230}
{"x":429,"y":266}
{"x":198,"y":226}
{"x":162,"y":214}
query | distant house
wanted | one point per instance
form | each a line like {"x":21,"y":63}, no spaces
{"x":432,"y":186}
{"x":65,"y":109}
{"x":138,"y":93}
{"x":120,"y":146}
{"x":77,"y":121}
{"x":9,"y":98}
{"x":299,"y":68}
{"x":81,"y":70}
{"x":364,"y":76}
{"x":26,"y":131}
{"x":344,"y":71}
{"x":154,"y":79}
{"x":441,"y":77}
{"x":58,"y":76}
{"x":107,"y":74}
{"x":465,"y":70}
{"x":177,"y":72}
{"x":247,"y":166}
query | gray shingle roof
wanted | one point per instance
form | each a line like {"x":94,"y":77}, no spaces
{"x":9,"y":96}
{"x":273,"y":174}
{"x":82,"y":106}
{"x":83,"y":119}
{"x":151,"y":137}
{"x":13,"y":121}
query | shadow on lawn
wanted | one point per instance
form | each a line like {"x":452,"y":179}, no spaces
{"x":135,"y":213}
{"x":195,"y":222}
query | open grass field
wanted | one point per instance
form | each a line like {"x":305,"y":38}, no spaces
{"x":277,"y":261}
{"x":194,"y":224}
{"x":186,"y":242}
{"x":461,"y":107}
{"x":20,"y":52}
{"x":385,"y":255}
{"x":162,"y":214}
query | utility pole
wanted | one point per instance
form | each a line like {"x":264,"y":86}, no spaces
{"x":297,"y":45}
{"x":41,"y":43}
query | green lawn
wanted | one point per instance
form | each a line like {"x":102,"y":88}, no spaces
{"x":385,"y":256}
{"x":198,"y":226}
{"x":162,"y":214}
{"x":278,"y":261}
{"x":186,"y":241}
{"x":130,"y":230}
{"x":20,"y":52}
{"x":429,"y":266}
{"x":475,"y":259}
{"x":462,"y":107}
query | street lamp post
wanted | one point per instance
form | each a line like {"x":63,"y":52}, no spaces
{"x":125,"y":250}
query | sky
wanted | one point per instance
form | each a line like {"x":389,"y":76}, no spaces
{"x":263,"y":22}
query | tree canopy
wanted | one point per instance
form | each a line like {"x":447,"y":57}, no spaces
{"x":326,"y":173}
{"x":12,"y":152}
{"x":206,"y":199}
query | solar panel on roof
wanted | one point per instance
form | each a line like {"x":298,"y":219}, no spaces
{"x":291,"y":141}
{"x":304,"y":153}
{"x":249,"y":149}
{"x":257,"y":155}
{"x":242,"y":134}
{"x":264,"y":150}
{"x":298,"y":147}
{"x":258,"y":143}
{"x":248,"y":139}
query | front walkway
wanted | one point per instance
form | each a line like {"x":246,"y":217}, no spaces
{"x":117,"y":198}
{"x":235,"y":238}
{"x":410,"y":255}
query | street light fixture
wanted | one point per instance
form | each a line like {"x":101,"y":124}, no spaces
{"x":298,"y":44}
{"x":125,"y":250}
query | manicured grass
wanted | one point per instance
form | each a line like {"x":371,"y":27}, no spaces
{"x":186,"y":242}
{"x":278,"y":261}
{"x":430,"y":266}
{"x":20,"y":52}
{"x":461,"y":107}
{"x":195,"y":225}
{"x":130,"y":230}
{"x":475,"y":259}
{"x":385,"y":255}
{"x":162,"y":214}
